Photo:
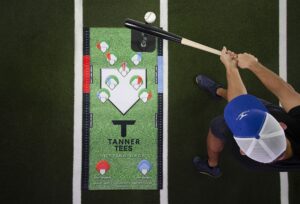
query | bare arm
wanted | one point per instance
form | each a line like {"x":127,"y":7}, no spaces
{"x":285,"y":93}
{"x":235,"y":85}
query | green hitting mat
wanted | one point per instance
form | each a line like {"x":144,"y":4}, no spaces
{"x":122,"y":115}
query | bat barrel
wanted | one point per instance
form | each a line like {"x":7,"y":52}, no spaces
{"x":155,"y":31}
{"x":152,"y":30}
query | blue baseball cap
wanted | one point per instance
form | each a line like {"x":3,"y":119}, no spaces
{"x":258,"y":134}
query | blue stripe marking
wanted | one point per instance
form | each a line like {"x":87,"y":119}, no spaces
{"x":160,"y":74}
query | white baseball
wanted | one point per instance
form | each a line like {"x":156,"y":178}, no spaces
{"x":150,"y":17}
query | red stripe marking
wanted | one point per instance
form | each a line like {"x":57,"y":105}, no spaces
{"x":86,"y":74}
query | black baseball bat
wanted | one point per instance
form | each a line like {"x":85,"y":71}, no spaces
{"x":158,"y":32}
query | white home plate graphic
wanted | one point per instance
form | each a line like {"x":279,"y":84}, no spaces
{"x":123,"y":96}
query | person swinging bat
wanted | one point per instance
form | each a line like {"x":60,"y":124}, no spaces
{"x":263,"y":136}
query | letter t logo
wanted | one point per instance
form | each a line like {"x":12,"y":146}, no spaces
{"x":123,"y":124}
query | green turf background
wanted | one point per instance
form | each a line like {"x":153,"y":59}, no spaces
{"x":36,"y":96}
{"x":123,"y":172}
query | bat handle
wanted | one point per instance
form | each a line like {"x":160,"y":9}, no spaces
{"x":199,"y":46}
